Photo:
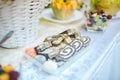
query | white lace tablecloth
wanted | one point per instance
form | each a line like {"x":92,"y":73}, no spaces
{"x":82,"y":66}
{"x":101,"y":48}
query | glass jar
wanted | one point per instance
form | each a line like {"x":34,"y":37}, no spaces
{"x":97,"y":20}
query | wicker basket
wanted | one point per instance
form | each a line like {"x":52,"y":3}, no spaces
{"x":22,"y":17}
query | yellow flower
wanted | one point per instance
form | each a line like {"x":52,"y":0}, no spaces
{"x":4,"y":76}
{"x":8,"y":68}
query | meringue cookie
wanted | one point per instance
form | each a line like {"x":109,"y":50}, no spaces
{"x":50,"y":66}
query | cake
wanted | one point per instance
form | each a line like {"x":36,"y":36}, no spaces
{"x":63,"y":9}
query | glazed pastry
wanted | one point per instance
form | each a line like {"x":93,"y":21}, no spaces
{"x":77,"y":44}
{"x":57,"y":41}
{"x":49,"y":38}
{"x":43,"y":46}
{"x":63,"y":35}
{"x":66,"y":52}
{"x":77,"y":35}
{"x":86,"y":40}
{"x":62,"y":45}
{"x":67,"y":40}
{"x":71,"y":31}
{"x":54,"y":52}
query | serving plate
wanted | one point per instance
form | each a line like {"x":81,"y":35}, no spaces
{"x":48,"y":15}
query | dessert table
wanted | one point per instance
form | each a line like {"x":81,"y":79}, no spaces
{"x":98,"y":61}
